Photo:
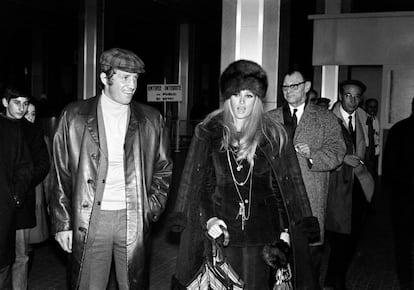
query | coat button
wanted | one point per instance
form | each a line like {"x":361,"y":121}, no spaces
{"x":98,"y":203}
{"x":103,"y":180}
{"x":90,"y":181}
{"x":85,"y":205}
{"x":93,"y":155}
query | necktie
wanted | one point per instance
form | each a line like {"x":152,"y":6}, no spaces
{"x":351,"y":130}
{"x":294,"y":119}
{"x":350,"y":127}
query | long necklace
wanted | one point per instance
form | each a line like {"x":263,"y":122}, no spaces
{"x":240,"y":183}
{"x":242,"y":207}
{"x":239,"y":163}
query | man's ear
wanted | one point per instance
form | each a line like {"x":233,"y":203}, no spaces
{"x":104,"y":78}
{"x":308,"y":85}
{"x":5,"y":103}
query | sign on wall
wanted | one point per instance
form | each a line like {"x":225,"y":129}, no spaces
{"x":164,"y":93}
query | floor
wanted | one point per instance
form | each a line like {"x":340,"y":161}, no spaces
{"x":372,"y":267}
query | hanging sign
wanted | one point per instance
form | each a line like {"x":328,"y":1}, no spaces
{"x":164,"y":93}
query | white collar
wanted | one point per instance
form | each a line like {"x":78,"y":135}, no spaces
{"x":299,"y":108}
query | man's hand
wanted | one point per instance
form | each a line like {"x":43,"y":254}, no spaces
{"x":303,"y":149}
{"x":64,"y":239}
{"x":353,"y":160}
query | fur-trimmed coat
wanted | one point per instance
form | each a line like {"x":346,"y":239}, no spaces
{"x":186,"y":216}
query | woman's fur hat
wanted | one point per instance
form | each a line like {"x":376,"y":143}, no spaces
{"x":243,"y":75}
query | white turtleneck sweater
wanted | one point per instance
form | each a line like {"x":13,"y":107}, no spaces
{"x":115,"y":118}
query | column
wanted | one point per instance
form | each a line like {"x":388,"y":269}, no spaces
{"x":329,"y":88}
{"x":250,"y":30}
{"x":90,"y":46}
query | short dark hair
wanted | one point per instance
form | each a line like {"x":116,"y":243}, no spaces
{"x":354,"y":83}
{"x":300,"y":69}
{"x":14,"y":93}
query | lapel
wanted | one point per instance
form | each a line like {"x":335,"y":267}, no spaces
{"x":309,"y":114}
{"x":136,"y":121}
{"x":360,"y":136}
{"x":92,"y":118}
{"x":287,"y":120}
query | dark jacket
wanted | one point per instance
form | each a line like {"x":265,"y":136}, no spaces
{"x":34,"y":138}
{"x":398,"y":160}
{"x":186,"y":216}
{"x":15,"y":176}
{"x":81,"y":165}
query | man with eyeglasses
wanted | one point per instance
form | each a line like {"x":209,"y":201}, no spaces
{"x":318,"y":141}
{"x":350,"y":187}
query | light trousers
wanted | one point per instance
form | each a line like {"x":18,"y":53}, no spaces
{"x":20,"y":266}
{"x":110,"y":242}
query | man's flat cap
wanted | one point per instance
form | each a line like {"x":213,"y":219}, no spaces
{"x":121,"y":59}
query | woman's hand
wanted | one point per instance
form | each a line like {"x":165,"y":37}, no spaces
{"x":217,"y":227}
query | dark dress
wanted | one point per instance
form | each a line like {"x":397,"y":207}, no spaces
{"x":245,"y":249}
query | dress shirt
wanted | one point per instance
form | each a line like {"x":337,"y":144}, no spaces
{"x":345,"y":115}
{"x":299,"y":111}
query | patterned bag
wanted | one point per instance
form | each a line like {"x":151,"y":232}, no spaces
{"x":283,"y":279}
{"x":216,"y":275}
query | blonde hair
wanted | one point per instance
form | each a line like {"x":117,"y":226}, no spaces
{"x":258,"y":126}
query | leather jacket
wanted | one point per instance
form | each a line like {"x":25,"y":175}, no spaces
{"x":80,"y":168}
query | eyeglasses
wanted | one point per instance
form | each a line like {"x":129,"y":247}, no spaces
{"x":293,"y":87}
{"x":349,"y":95}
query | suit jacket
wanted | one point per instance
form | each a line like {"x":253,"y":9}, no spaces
{"x":339,"y":210}
{"x":321,"y":130}
{"x":80,"y":166}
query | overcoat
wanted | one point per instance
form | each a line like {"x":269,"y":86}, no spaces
{"x":339,"y":210}
{"x":186,"y":215}
{"x":15,"y":176}
{"x":320,"y":129}
{"x":34,"y":137}
{"x":80,"y":166}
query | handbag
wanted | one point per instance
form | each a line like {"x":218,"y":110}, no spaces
{"x":283,"y":279}
{"x":216,"y":274}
